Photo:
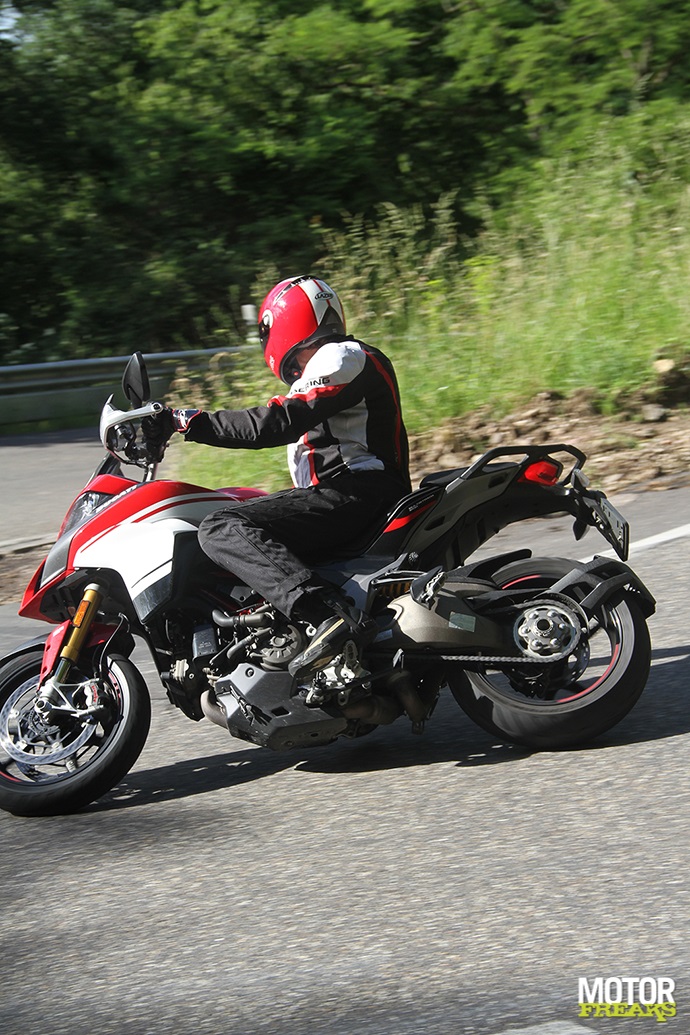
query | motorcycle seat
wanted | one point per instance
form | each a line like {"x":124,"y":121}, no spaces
{"x":444,"y":478}
{"x":390,"y":532}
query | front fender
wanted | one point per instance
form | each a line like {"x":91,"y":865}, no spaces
{"x":100,"y":634}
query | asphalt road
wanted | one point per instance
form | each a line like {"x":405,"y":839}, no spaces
{"x":443,"y":884}
{"x":41,"y":474}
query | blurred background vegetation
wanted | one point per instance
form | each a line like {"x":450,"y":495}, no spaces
{"x":499,"y":190}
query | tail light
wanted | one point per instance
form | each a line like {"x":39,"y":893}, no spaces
{"x":543,"y":472}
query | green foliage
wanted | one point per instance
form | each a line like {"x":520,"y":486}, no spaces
{"x":583,"y":286}
{"x":563,"y":62}
{"x":163,"y":161}
{"x":231,"y":381}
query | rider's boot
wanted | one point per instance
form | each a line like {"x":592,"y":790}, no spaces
{"x":342,"y":626}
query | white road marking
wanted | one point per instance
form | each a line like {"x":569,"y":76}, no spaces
{"x":663,"y":537}
{"x":637,"y":546}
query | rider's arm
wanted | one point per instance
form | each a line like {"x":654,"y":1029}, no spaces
{"x":333,"y":380}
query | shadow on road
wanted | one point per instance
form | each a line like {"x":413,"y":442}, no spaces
{"x":450,"y":738}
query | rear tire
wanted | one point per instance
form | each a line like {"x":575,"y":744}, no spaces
{"x":55,"y":769}
{"x":589,"y":693}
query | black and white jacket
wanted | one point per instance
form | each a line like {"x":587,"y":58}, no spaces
{"x":343,"y":414}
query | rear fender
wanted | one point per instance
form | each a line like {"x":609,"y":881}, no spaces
{"x":606,"y":579}
{"x":485,"y":568}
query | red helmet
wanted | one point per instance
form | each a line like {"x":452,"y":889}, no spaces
{"x":297,"y":313}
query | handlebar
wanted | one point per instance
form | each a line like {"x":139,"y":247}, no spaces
{"x":121,"y":439}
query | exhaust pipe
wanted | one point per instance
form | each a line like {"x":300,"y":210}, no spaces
{"x":378,"y":710}
{"x":403,"y":686}
{"x":212,"y":710}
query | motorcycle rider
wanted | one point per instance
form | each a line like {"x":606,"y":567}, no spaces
{"x":347,"y":454}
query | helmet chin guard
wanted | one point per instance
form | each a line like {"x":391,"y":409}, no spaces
{"x":297,"y":313}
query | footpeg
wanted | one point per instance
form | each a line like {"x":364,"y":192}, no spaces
{"x":427,"y":587}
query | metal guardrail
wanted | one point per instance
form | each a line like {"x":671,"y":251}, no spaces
{"x":34,"y":392}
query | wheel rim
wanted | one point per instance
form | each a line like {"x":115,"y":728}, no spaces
{"x":579,"y":675}
{"x":37,"y":749}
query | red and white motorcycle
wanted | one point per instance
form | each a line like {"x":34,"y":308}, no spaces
{"x":544,"y":652}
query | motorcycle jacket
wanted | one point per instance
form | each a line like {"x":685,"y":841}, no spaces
{"x":342,"y":415}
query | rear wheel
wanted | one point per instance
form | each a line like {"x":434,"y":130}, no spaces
{"x":571,"y":701}
{"x":59,"y":754}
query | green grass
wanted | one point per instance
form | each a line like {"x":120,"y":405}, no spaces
{"x":581,"y":283}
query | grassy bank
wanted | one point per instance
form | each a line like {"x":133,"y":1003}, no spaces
{"x":583,"y":283}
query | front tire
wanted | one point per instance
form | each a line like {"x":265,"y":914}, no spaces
{"x":584,"y":696}
{"x":53,"y":766}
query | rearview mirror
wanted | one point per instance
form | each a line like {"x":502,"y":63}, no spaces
{"x":135,"y":381}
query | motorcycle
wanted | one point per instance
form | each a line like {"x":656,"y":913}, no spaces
{"x":543,"y":652}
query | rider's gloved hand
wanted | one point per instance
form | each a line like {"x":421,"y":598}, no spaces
{"x":159,"y":428}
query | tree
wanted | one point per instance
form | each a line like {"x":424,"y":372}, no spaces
{"x":564,"y":62}
{"x":156,"y":155}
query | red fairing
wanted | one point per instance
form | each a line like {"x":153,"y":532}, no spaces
{"x":106,"y":485}
{"x":52,"y":648}
{"x":126,"y":503}
{"x":31,"y":601}
{"x":143,"y":497}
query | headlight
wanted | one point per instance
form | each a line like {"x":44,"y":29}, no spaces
{"x":84,"y":507}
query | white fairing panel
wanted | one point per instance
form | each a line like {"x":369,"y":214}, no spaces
{"x":142,"y":553}
{"x":141,"y":547}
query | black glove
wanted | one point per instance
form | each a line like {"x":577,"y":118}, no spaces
{"x":158,"y":429}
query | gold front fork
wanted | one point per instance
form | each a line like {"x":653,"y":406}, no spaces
{"x":81,"y":624}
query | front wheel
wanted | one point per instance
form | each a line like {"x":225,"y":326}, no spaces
{"x":57,"y":756}
{"x":574,"y":700}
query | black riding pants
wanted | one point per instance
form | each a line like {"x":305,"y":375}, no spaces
{"x":271,"y":542}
